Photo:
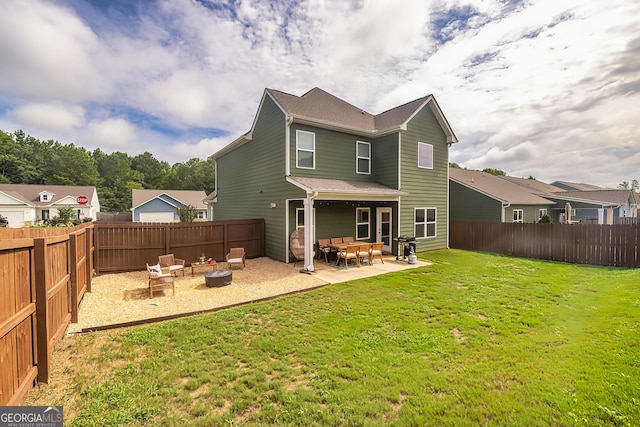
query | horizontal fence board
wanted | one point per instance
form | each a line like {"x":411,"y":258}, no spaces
{"x":595,"y":244}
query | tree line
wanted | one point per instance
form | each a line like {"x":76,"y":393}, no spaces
{"x":28,"y":160}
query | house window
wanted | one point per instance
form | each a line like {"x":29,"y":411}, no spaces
{"x":362,"y":223}
{"x":425,"y":155}
{"x":44,"y":198}
{"x":541,"y":213}
{"x":517,"y":215}
{"x":305,"y":150}
{"x":202,"y":215}
{"x":299,"y":217}
{"x":363,"y":157}
{"x":45,"y":214}
{"x":424,"y":222}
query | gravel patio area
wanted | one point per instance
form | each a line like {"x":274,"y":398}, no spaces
{"x":124,"y":297}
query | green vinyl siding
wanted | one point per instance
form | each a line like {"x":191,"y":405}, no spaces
{"x":251,"y":177}
{"x":469,"y":205}
{"x":529,"y":213}
{"x":335,"y":155}
{"x":336,"y":220}
{"x":384,"y":153}
{"x":427,"y":188}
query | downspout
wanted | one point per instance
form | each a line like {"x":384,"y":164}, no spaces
{"x":287,"y":146}
{"x":504,"y":207}
{"x":309,"y":231}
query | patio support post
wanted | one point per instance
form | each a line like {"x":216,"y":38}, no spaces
{"x":309,"y":228}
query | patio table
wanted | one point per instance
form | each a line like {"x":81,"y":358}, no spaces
{"x":343,"y":246}
{"x":203,"y":266}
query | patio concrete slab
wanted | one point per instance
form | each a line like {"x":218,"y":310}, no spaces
{"x":331,"y":274}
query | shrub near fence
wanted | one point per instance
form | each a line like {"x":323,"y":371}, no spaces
{"x":610,"y":245}
{"x":44,"y":275}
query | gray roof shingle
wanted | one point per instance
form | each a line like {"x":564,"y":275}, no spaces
{"x":497,"y":187}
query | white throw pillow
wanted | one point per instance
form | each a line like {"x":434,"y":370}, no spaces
{"x":155,"y":269}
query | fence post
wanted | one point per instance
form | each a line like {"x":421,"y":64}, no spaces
{"x":88,"y":256}
{"x":167,"y":244}
{"x":42,"y":307}
{"x":73,"y":270}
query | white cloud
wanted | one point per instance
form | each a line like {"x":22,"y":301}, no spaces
{"x":113,"y":134}
{"x":51,"y":117}
{"x":546,"y":86}
{"x":46,"y":52}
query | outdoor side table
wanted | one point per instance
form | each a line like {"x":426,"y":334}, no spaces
{"x":213,"y":266}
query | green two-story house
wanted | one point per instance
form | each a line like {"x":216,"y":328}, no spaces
{"x":319,"y":163}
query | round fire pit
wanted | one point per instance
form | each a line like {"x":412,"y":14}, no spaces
{"x":218,"y":278}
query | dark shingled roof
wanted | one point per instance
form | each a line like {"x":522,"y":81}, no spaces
{"x":498,"y":188}
{"x":320,"y":105}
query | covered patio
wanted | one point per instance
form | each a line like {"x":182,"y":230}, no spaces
{"x":366,"y":211}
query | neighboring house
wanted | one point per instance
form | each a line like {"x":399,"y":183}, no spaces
{"x":318,"y":162}
{"x":600,"y":206}
{"x":31,"y":204}
{"x":162,"y":205}
{"x":481,"y":196}
{"x":475,"y":196}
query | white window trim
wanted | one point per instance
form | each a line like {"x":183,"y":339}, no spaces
{"x":521,"y":215}
{"x":419,"y":163}
{"x":298,"y":212}
{"x":368,"y":224}
{"x":358,"y":157}
{"x":541,"y":213}
{"x":425,"y":223}
{"x":298,"y":149}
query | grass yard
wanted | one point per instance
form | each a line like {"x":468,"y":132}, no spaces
{"x":474,"y":339}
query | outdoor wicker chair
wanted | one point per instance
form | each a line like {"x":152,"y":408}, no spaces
{"x":235,"y":256}
{"x":172,"y":263}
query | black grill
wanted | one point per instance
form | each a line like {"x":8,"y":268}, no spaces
{"x":406,"y":245}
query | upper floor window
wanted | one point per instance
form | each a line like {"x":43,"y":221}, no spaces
{"x":44,"y":197}
{"x":518,"y":215}
{"x":362,"y":223}
{"x":305,"y":149}
{"x":425,"y":155}
{"x":424,"y":222}
{"x":363,"y":157}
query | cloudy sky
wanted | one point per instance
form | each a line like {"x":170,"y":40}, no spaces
{"x":543,"y":88}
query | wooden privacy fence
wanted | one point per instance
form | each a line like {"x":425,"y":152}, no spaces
{"x":611,"y":245}
{"x":43,"y":276}
{"x":129,"y":246}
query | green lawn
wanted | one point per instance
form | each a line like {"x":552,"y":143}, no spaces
{"x":474,"y":339}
